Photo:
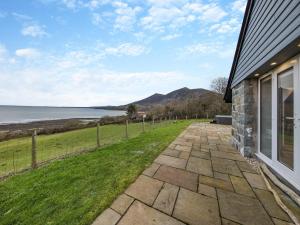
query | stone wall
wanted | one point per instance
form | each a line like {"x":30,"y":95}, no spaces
{"x":244,"y":117}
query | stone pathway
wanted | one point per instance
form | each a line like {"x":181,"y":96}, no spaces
{"x":198,"y":180}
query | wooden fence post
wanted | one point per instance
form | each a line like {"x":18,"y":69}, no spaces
{"x":153,"y":121}
{"x":176,"y":118}
{"x":185,"y":117}
{"x":126,"y":130}
{"x":33,"y":151}
{"x":98,"y":134}
{"x":14,"y":166}
{"x":143,"y":124}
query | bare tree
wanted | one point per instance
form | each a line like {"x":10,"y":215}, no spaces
{"x":219,"y":85}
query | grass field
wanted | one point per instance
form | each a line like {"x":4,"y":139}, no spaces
{"x":77,"y":189}
{"x":15,"y":154}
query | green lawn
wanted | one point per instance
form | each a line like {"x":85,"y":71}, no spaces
{"x":77,"y":189}
{"x":15,"y":154}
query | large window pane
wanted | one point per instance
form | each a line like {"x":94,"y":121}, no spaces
{"x":266,"y":116}
{"x":285,"y":129}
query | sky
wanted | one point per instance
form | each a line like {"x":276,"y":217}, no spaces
{"x":106,"y":52}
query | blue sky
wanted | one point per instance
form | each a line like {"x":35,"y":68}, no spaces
{"x":102,"y":52}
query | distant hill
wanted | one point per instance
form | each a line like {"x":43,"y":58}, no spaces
{"x":161,"y":99}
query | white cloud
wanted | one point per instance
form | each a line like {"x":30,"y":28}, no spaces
{"x":125,"y":16}
{"x":172,"y":14}
{"x":209,"y":48}
{"x":160,"y":17}
{"x":21,"y":17}
{"x":33,"y":31}
{"x":229,"y":26}
{"x":27,"y":53}
{"x":93,"y":56}
{"x":200,"y":48}
{"x":78,"y":59}
{"x":167,"y":2}
{"x":5,"y":57}
{"x":84,"y":87}
{"x":239,"y":5}
{"x":170,"y":37}
{"x":212,"y":12}
{"x":94,"y":4}
{"x":71,"y":4}
{"x":3,"y":53}
{"x":97,"y":19}
{"x":126,"y":49}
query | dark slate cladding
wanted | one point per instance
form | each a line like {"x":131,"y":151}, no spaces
{"x":272,"y":26}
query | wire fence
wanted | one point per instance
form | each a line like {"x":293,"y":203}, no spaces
{"x":21,"y":154}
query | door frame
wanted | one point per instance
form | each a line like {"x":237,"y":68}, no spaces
{"x":292,"y":176}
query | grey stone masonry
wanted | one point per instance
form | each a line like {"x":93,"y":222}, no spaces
{"x":244,"y":117}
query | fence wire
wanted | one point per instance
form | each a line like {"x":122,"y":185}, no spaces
{"x":16,"y":154}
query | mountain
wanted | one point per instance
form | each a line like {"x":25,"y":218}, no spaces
{"x":180,"y":94}
{"x":161,"y":99}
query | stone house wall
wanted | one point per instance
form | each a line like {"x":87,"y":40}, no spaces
{"x":244,"y":116}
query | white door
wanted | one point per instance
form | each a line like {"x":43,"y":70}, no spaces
{"x":279,"y":120}
{"x":286,"y":127}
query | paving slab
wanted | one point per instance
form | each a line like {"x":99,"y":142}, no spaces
{"x":207,"y":190}
{"x":268,"y":201}
{"x":228,"y":222}
{"x":227,"y":155}
{"x":246,"y":167}
{"x":184,"y":142}
{"x":107,"y":217}
{"x":151,"y":170}
{"x":255,"y":180}
{"x":281,"y":222}
{"x":141,"y":214}
{"x":184,"y":155}
{"x":196,"y":209}
{"x":226,"y":166}
{"x":221,"y":176}
{"x":209,"y":146}
{"x":217,"y":183}
{"x":241,"y":186}
{"x":171,"y":161}
{"x":226,"y":148}
{"x":165,"y":201}
{"x":200,"y":166}
{"x":198,"y":179}
{"x":177,"y":177}
{"x":183,"y":148}
{"x":196,"y":147}
{"x":242,"y":209}
{"x":200,"y":154}
{"x":121,"y":204}
{"x":171,"y":152}
{"x":172,"y":145}
{"x":145,"y":189}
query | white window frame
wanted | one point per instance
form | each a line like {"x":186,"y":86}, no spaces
{"x":292,"y":176}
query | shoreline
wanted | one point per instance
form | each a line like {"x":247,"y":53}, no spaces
{"x":17,"y":130}
{"x":41,"y":121}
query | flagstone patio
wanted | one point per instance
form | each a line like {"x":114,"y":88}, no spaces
{"x":200,"y":179}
